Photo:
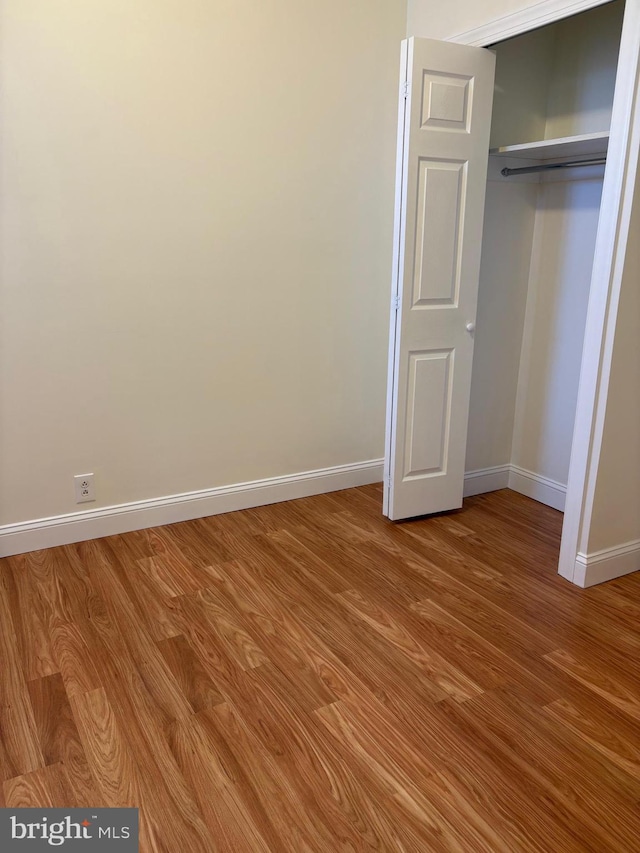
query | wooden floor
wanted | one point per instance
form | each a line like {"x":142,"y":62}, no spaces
{"x":312,"y":677}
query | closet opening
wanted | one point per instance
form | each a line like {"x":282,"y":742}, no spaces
{"x":553,"y":98}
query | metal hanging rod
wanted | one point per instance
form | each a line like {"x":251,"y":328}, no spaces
{"x":544,"y":167}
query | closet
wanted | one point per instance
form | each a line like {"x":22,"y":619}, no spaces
{"x":494,"y":246}
{"x":552,"y":105}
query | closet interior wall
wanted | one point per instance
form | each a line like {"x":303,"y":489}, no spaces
{"x":538,"y":246}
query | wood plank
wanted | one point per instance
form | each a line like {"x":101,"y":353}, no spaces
{"x":137,"y":655}
{"x":284,"y":733}
{"x":29,"y":619}
{"x":214,"y":788}
{"x":159,"y":608}
{"x":359,"y":647}
{"x":230,"y":628}
{"x":75,"y":656}
{"x":49,"y":787}
{"x":19,"y":746}
{"x":283,"y":639}
{"x":565,"y":768}
{"x":264,"y":783}
{"x":195,"y":683}
{"x":616,"y":738}
{"x":618,"y":690}
{"x":398,"y":633}
{"x":382,"y":752}
{"x":59,"y":738}
{"x":112,"y":761}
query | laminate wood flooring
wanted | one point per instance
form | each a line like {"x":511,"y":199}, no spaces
{"x":312,"y":677}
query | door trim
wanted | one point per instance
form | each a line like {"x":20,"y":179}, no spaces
{"x":524,"y":21}
{"x":608,"y":266}
{"x":395,"y":275}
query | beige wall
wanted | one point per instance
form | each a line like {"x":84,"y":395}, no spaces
{"x":558,"y":294}
{"x":534,"y":288}
{"x":616,"y":511}
{"x":584,"y":72}
{"x":197,"y":204}
{"x":510,"y":212}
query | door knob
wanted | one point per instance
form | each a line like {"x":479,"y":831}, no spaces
{"x":470,"y":327}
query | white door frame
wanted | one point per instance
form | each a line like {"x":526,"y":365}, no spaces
{"x":613,"y":232}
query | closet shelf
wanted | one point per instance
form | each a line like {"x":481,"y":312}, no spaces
{"x":551,"y":149}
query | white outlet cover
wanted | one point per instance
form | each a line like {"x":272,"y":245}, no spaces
{"x":84,"y":485}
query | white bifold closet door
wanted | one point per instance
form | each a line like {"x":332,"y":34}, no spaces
{"x":443,"y":153}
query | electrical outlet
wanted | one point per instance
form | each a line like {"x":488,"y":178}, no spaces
{"x":85,"y":488}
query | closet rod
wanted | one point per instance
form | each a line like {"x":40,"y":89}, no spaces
{"x":544,"y":167}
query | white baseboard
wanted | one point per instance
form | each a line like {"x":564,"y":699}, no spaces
{"x":486,"y":480}
{"x":95,"y":523}
{"x":539,"y":488}
{"x":605,"y":565}
{"x":591,"y":569}
{"x":512,"y":477}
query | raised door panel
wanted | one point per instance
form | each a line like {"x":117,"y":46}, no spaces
{"x":441,"y":193}
{"x":429,"y":410}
